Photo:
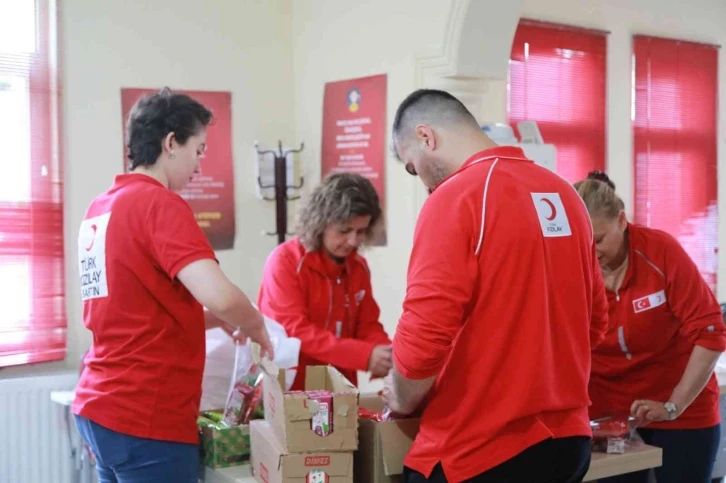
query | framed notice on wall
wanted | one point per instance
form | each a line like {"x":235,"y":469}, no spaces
{"x":354,"y":132}
{"x":211,"y":194}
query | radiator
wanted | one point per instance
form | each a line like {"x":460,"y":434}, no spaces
{"x":34,"y":446}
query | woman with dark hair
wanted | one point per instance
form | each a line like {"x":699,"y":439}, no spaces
{"x":665,"y":335}
{"x":147,"y":271}
{"x":319,"y":287}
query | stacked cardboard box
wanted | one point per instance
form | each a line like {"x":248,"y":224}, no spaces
{"x":307,"y":436}
{"x":383,"y":445}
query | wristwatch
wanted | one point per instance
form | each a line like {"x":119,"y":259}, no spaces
{"x":672,"y":410}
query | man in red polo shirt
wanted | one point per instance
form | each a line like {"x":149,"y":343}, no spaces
{"x":504,"y":303}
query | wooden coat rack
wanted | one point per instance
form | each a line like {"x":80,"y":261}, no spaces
{"x":280,"y":184}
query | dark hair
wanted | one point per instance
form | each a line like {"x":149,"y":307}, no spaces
{"x":598,"y":193}
{"x":601,"y":176}
{"x":154,"y":116}
{"x":340,"y":197}
{"x":430,"y":105}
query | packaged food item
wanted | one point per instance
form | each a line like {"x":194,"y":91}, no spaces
{"x":364,"y":413}
{"x":322,"y":420}
{"x":317,"y":476}
{"x":215,"y":416}
{"x":386,"y":414}
{"x":245,"y":388}
{"x":615,"y":434}
{"x":203,"y":422}
{"x":616,"y":445}
{"x":610,"y":427}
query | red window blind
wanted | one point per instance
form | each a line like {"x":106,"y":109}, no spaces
{"x":557,"y":78}
{"x":675,"y":102}
{"x":32,"y":305}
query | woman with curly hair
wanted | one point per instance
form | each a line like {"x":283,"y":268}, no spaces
{"x":319,"y":287}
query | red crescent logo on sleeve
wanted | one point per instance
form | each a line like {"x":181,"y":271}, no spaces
{"x":553,"y":210}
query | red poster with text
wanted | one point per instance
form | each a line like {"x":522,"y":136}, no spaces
{"x":211,"y":194}
{"x":354,"y":132}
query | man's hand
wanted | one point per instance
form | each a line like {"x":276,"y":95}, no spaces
{"x":381,"y":361}
{"x":404,"y":396}
{"x":389,"y":396}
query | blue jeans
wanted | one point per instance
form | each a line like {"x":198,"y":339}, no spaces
{"x":688,"y":456}
{"x":121,"y":458}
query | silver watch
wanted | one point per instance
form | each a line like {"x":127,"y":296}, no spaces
{"x":672,"y":410}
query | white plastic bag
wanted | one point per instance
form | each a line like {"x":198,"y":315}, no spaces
{"x":219,"y":365}
{"x":245,"y":386}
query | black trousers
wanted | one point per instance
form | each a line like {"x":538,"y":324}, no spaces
{"x":562,"y":460}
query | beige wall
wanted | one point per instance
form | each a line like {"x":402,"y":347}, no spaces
{"x":276,"y":55}
{"x":345,"y":39}
{"x":402,"y":32}
{"x":243,"y":47}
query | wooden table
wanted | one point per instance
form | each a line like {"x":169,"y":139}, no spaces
{"x":602,"y":466}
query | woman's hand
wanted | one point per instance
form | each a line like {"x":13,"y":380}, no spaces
{"x":234,"y":333}
{"x":208,"y":284}
{"x":381,"y":361}
{"x":646,"y":411}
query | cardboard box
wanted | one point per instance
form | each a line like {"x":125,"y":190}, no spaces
{"x":223,"y":447}
{"x":290,"y":415}
{"x":271,"y":464}
{"x":382,"y":446}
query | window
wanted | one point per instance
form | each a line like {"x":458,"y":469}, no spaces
{"x":32,"y":305}
{"x":675,"y":102}
{"x":557,"y":78}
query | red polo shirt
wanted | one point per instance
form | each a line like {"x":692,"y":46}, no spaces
{"x":143,"y":374}
{"x":662,"y":310}
{"x":328,"y":306}
{"x":504,"y":298}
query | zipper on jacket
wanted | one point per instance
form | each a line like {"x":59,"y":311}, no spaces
{"x":623,"y":346}
{"x":330,"y":303}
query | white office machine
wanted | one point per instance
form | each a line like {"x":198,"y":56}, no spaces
{"x":531,"y":143}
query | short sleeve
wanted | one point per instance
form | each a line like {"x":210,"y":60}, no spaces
{"x":176,"y":238}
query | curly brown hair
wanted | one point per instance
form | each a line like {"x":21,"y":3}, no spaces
{"x":340,"y":197}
